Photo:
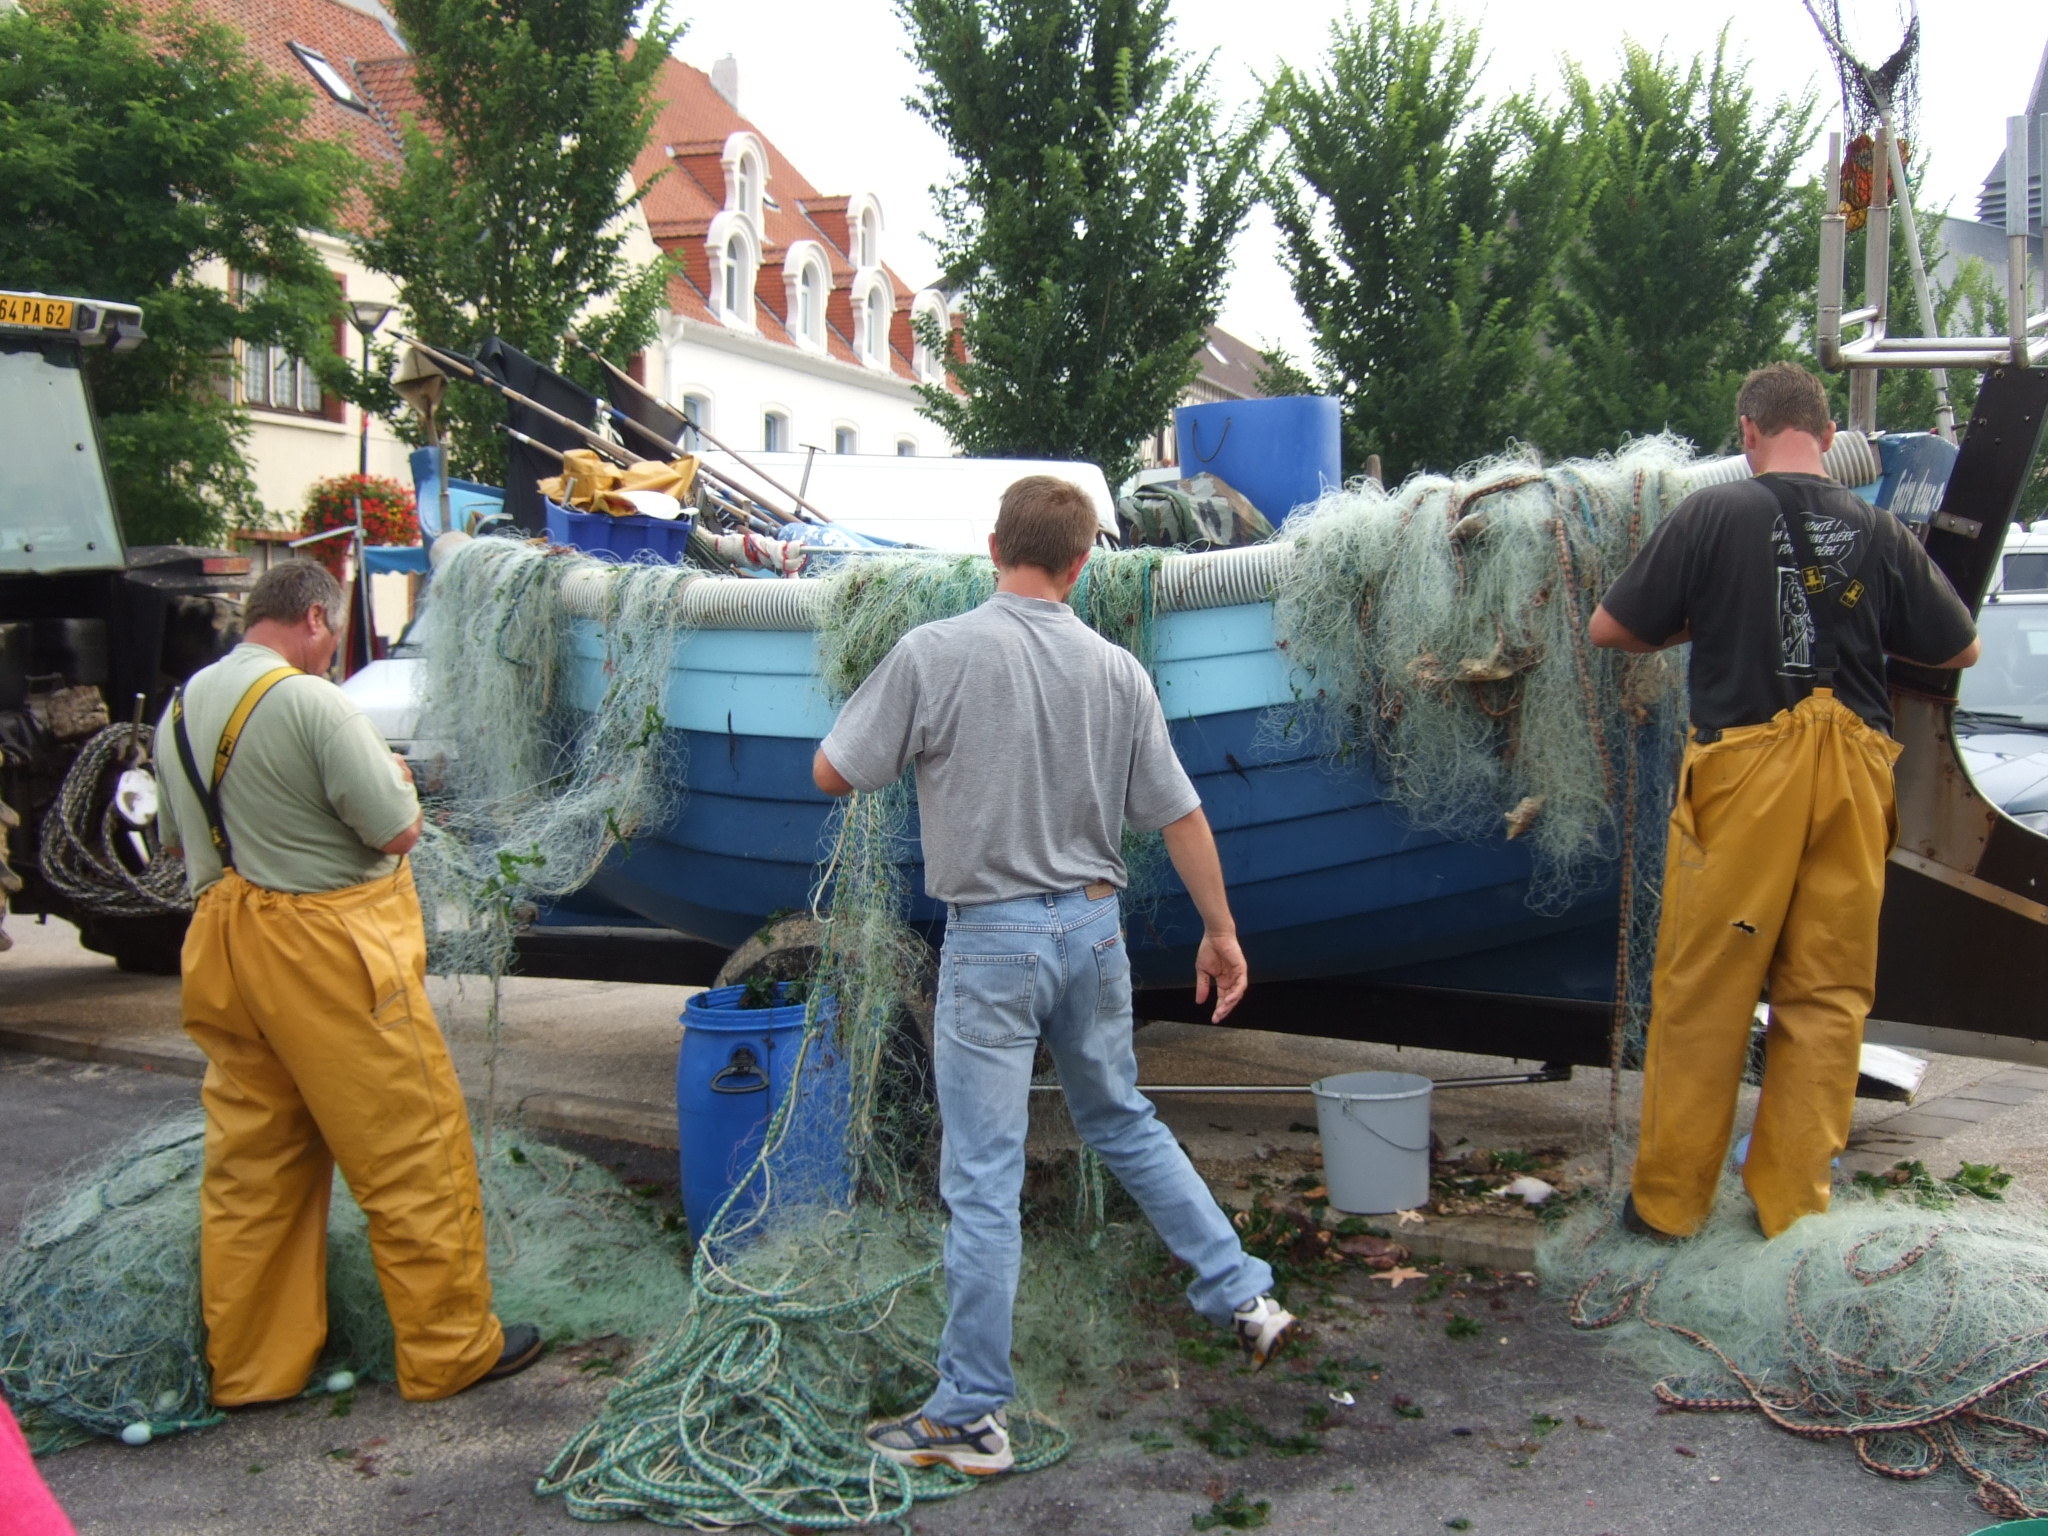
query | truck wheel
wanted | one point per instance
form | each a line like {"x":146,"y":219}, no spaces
{"x":142,"y":946}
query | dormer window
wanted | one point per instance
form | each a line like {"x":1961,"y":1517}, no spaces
{"x":927,"y":310}
{"x":745,"y":160}
{"x":878,"y":325}
{"x":735,"y":276}
{"x":331,"y":79}
{"x":749,"y":193}
{"x":809,"y":301}
{"x":807,"y":285}
{"x":734,"y":254}
{"x":869,"y":243}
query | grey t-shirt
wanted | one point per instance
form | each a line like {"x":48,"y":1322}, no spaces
{"x":1035,"y":741}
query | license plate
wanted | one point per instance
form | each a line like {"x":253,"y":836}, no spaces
{"x":35,"y":314}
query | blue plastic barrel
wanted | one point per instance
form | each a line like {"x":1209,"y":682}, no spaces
{"x":736,"y":1064}
{"x":1281,"y":454}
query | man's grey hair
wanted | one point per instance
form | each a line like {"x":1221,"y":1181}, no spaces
{"x":291,"y":589}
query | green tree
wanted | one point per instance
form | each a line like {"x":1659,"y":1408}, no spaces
{"x":509,"y":214}
{"x":1088,"y":228}
{"x":1421,"y":231}
{"x":1696,"y":260}
{"x":134,"y":153}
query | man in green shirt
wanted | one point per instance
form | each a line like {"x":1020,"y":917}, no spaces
{"x":305,"y":984}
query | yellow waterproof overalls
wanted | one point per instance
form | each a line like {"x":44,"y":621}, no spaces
{"x":322,"y":1049}
{"x":1773,"y":875}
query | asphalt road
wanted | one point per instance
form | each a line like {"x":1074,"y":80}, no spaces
{"x":1523,"y":1427}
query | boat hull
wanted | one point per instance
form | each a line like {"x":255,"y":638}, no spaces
{"x":1327,"y":877}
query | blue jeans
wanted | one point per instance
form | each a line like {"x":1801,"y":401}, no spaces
{"x":1011,"y":973}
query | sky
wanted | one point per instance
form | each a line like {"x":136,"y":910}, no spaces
{"x":827,"y":81}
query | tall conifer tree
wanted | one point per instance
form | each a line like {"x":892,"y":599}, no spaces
{"x":1698,"y":254}
{"x":1087,"y":232}
{"x":1421,"y":230}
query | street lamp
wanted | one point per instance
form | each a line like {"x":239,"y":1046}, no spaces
{"x":365,"y":315}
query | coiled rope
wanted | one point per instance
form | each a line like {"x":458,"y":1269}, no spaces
{"x":84,"y":852}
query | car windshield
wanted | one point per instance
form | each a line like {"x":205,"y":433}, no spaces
{"x":2009,"y":683}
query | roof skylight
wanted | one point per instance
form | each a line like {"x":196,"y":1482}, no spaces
{"x":332,"y":79}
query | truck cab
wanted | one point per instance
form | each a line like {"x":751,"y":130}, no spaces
{"x":94,"y":635}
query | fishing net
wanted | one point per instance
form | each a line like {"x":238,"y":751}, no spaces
{"x":1914,"y":1333}
{"x":532,"y":787}
{"x":1442,"y":630}
{"x":1439,"y":630}
{"x":100,"y":1330}
{"x":1874,"y":46}
{"x":809,"y":1318}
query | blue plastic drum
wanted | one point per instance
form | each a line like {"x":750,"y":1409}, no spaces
{"x":736,"y":1064}
{"x":1281,"y":454}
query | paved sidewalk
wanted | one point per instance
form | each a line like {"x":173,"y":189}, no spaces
{"x":598,"y":1058}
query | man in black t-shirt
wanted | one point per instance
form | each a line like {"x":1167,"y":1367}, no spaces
{"x":1791,"y":591}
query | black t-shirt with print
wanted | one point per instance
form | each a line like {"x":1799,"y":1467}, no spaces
{"x":1722,"y":565}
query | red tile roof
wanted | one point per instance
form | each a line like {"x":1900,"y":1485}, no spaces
{"x":345,"y":34}
{"x":682,"y":168}
{"x":681,"y":164}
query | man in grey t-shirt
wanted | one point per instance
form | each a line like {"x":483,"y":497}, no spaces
{"x":1035,"y":742}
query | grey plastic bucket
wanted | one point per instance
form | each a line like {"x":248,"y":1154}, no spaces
{"x":1375,"y":1132}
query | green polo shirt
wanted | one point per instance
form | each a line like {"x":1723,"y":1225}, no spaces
{"x":311,"y":795}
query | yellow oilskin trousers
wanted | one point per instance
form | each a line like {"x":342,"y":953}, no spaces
{"x":322,"y":1049}
{"x":1773,"y":873}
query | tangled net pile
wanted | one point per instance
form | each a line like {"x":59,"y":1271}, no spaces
{"x":1443,"y":627}
{"x":1441,"y":630}
{"x":100,"y":1326}
{"x":1914,"y":1333}
{"x":807,"y":1320}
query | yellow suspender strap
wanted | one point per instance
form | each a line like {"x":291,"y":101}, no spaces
{"x":232,"y":731}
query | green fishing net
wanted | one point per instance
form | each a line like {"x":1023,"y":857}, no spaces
{"x":100,"y":1330}
{"x":1914,"y":1334}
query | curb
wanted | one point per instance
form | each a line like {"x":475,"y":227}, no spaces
{"x":1921,"y":1129}
{"x":651,"y":1125}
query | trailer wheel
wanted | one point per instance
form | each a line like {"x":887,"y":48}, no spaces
{"x":142,"y":946}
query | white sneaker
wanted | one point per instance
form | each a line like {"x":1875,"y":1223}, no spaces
{"x":979,"y":1449}
{"x":1262,"y":1326}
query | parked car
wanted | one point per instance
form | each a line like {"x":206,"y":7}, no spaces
{"x":2002,"y":711}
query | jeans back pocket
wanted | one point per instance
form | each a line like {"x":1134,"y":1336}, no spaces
{"x":990,"y":998}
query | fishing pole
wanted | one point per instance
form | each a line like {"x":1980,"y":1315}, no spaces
{"x":604,"y":445}
{"x":698,"y":427}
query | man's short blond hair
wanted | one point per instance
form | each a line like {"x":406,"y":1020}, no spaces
{"x":1045,"y":522}
{"x":1779,"y":396}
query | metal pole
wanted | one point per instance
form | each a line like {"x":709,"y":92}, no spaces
{"x":2017,"y":286}
{"x":1877,"y":271}
{"x":362,"y":565}
{"x":1944,"y":412}
{"x":1833,"y":235}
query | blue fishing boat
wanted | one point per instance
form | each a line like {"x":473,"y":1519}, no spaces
{"x":1356,"y":921}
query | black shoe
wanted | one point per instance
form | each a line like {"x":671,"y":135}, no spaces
{"x":522,"y":1347}
{"x":1632,"y":1221}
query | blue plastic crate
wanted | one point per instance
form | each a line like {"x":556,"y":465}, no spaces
{"x":620,"y":538}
